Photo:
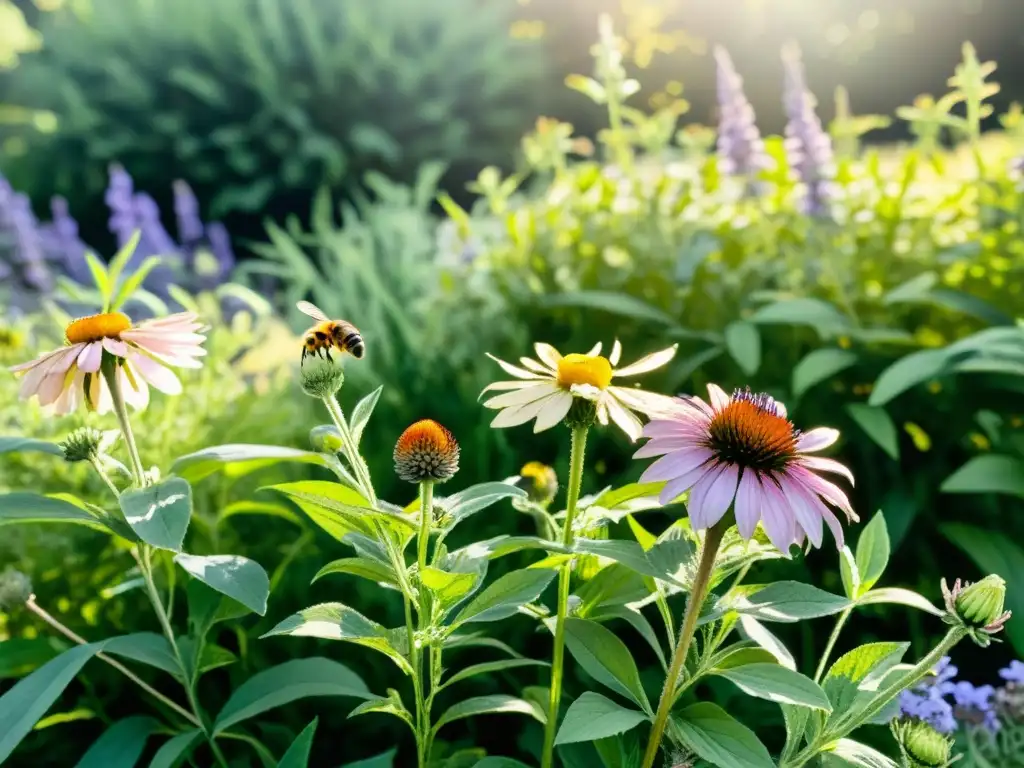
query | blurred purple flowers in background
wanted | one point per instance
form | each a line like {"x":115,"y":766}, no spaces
{"x":740,"y":146}
{"x":808,"y":144}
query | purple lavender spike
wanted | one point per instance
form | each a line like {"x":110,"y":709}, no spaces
{"x":220,"y":244}
{"x":66,"y":245}
{"x":740,"y":146}
{"x":119,"y":198}
{"x":155,"y":237}
{"x":186,"y":208}
{"x":808,"y":144}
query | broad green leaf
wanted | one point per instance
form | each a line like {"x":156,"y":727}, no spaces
{"x":132,"y":283}
{"x":447,"y":588}
{"x":850,"y":671}
{"x":605,"y":658}
{"x":383,"y":760}
{"x":907,"y":372}
{"x":611,"y":302}
{"x":145,"y":648}
{"x":487,"y":667}
{"x":611,"y":587}
{"x":29,"y":699}
{"x":624,"y":497}
{"x":175,"y":751}
{"x":743,"y":341}
{"x":999,"y":555}
{"x":789,"y":601}
{"x":12,"y":444}
{"x":632,"y":555}
{"x":388,"y":705}
{"x":740,"y":655}
{"x":120,"y":259}
{"x":761,"y":635}
{"x":100,"y":278}
{"x":362,"y":413}
{"x":634,"y":618}
{"x":335,"y":621}
{"x":336,"y":508}
{"x":159,"y":514}
{"x":818,"y":314}
{"x":505,"y":596}
{"x":847,"y":752}
{"x":849,"y":572}
{"x":990,"y":473}
{"x":207,"y":607}
{"x":121,"y":745}
{"x":716,"y":737}
{"x":818,"y":366}
{"x":475,"y":498}
{"x":877,"y":425}
{"x":268,"y":508}
{"x":297,"y":755}
{"x":899,"y":597}
{"x":23,"y":507}
{"x":237,"y":577}
{"x":776,"y":683}
{"x":20,"y":655}
{"x":503,"y":545}
{"x":872,"y":552}
{"x":496,"y":704}
{"x":237,"y":460}
{"x":593,"y":716}
{"x":288,"y":682}
{"x":364,"y":567}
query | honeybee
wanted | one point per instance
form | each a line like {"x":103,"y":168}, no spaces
{"x":329,"y":333}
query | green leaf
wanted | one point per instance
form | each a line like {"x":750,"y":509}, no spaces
{"x":740,"y":655}
{"x":22,"y":507}
{"x":174,"y":751}
{"x":121,"y":745}
{"x":611,"y":302}
{"x":899,"y":596}
{"x":593,"y":716}
{"x":487,"y":667}
{"x":60,"y":718}
{"x":789,"y":601}
{"x":849,"y":572}
{"x":907,"y":372}
{"x":847,"y":752}
{"x":159,"y":514}
{"x":778,"y":684}
{"x":297,"y":755}
{"x":872,"y":552}
{"x":237,"y":577}
{"x":336,"y":508}
{"x":130,"y":285}
{"x":238,"y":460}
{"x":818,"y":366}
{"x":121,"y":259}
{"x":100,"y":278}
{"x":743,"y":341}
{"x":716,"y":737}
{"x":999,"y":555}
{"x":990,"y":473}
{"x":20,"y":655}
{"x":447,"y":588}
{"x":145,"y":648}
{"x":207,"y":607}
{"x":877,"y":424}
{"x":27,"y":444}
{"x":288,"y":682}
{"x":335,"y":621}
{"x":496,"y":704}
{"x":505,"y":596}
{"x":813,"y":312}
{"x":29,"y":699}
{"x":362,"y":413}
{"x":270,"y":509}
{"x":475,"y":498}
{"x":759,"y":633}
{"x":605,"y":658}
{"x":383,"y":760}
{"x":849,"y":672}
{"x":500,"y":762}
{"x":364,"y":567}
{"x":388,"y":705}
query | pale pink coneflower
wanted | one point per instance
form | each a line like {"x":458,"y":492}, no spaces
{"x":743,"y":451}
{"x":140,"y":353}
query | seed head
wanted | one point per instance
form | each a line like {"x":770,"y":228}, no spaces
{"x":82,"y":445}
{"x":426,"y":452}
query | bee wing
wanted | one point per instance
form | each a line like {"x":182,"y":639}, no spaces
{"x":312,"y":310}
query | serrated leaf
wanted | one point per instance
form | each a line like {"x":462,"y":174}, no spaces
{"x":476,"y":498}
{"x":448,"y":588}
{"x":852,"y":669}
{"x":593,"y":716}
{"x":789,"y":601}
{"x":362,"y":413}
{"x":364,"y":567}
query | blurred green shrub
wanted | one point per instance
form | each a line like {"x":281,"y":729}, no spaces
{"x":255,"y":100}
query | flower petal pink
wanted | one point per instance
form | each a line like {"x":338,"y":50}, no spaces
{"x":816,"y":439}
{"x":663,"y":445}
{"x":806,"y":506}
{"x":826,"y":465}
{"x":91,"y":357}
{"x":673,"y":488}
{"x":712,"y":495}
{"x":116,"y":347}
{"x":160,"y":377}
{"x":718,"y":397}
{"x":748,"y":503}
{"x":675,"y":464}
{"x":779,"y":522}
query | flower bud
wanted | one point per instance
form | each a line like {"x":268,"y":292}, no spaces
{"x":15,"y":589}
{"x":326,"y":438}
{"x":82,"y":445}
{"x":320,"y":377}
{"x":921,"y":744}
{"x":582,"y":412}
{"x":981,"y":604}
{"x":426,"y":452}
{"x":539,"y":481}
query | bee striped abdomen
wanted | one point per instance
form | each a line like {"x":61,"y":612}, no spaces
{"x":354,"y":344}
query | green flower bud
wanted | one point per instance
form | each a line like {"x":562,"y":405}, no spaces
{"x":15,"y":589}
{"x":922,"y":745}
{"x":981,"y":604}
{"x":321,"y":378}
{"x":582,"y":413}
{"x":326,"y":438}
{"x":82,"y":445}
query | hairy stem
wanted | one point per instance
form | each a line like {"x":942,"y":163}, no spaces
{"x":348,"y":447}
{"x":105,"y":477}
{"x":579,"y":444}
{"x":121,"y":411}
{"x":426,"y":692}
{"x":43,"y":614}
{"x":698,"y":593}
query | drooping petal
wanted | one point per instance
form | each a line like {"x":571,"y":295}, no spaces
{"x":826,"y":465}
{"x":547,"y":354}
{"x":51,"y":388}
{"x":534,"y":391}
{"x":806,"y":507}
{"x":90,"y":357}
{"x":673,"y":488}
{"x":157,"y":375}
{"x":779,"y":522}
{"x":602,"y":413}
{"x":816,"y":440}
{"x":711,"y":495}
{"x":748,"y":503}
{"x":717,"y":397}
{"x":512,"y":370}
{"x":649,"y":362}
{"x":833,"y":525}
{"x":675,"y":464}
{"x":44,"y":358}
{"x":624,"y":418}
{"x":668,"y":428}
{"x":556,"y":407}
{"x":613,"y":358}
{"x":825,"y":489}
{"x":133,"y":387}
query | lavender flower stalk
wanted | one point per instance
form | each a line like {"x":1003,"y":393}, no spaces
{"x":62,"y":240}
{"x":808,"y":144}
{"x":740,"y":146}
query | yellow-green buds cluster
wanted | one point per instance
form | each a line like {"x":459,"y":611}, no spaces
{"x":921,"y":745}
{"x":426,"y":452}
{"x":977,"y":607}
{"x":539,"y":481}
{"x":326,"y":438}
{"x":15,"y":589}
{"x":321,"y":377}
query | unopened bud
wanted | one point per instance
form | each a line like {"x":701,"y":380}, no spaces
{"x":326,"y":438}
{"x":15,"y":589}
{"x":922,"y":745}
{"x":82,"y":445}
{"x":320,"y":377}
{"x":981,"y":604}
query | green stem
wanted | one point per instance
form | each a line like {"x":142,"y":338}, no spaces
{"x":698,"y":593}
{"x":105,"y":477}
{"x":348,"y":447}
{"x":831,"y":644}
{"x":579,"y":444}
{"x":146,"y":566}
{"x":423,"y":610}
{"x":121,"y":411}
{"x":426,"y":514}
{"x":43,"y":614}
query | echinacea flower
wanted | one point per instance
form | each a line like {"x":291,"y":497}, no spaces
{"x":426,"y":452}
{"x":743,"y":451}
{"x":546,"y":388}
{"x":141,"y":354}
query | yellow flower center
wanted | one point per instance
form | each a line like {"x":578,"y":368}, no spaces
{"x":584,"y":369}
{"x":95,"y":327}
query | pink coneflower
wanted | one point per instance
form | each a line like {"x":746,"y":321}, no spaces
{"x":141,"y":353}
{"x":743,"y":450}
